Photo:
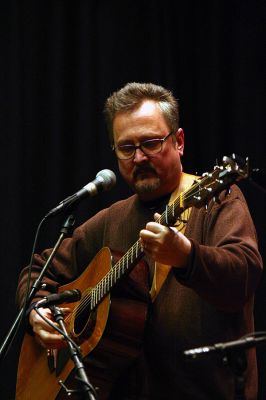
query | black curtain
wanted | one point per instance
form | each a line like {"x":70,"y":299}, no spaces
{"x":60,"y":60}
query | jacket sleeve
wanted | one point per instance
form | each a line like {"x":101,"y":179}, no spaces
{"x":225,"y":264}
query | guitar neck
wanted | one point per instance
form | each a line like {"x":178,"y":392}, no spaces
{"x":124,"y":265}
{"x":130,"y":258}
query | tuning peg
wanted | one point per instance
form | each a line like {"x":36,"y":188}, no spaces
{"x":198,"y":198}
{"x":207,"y":174}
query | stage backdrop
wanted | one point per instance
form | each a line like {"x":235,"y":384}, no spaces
{"x":59,"y":62}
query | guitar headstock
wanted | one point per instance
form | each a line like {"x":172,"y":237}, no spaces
{"x":231,"y":170}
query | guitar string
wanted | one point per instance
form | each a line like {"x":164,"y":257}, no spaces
{"x":200,"y":185}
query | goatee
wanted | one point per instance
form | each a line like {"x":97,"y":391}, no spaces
{"x":147,"y":185}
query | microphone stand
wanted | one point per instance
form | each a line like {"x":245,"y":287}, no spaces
{"x":87,"y":390}
{"x":37,"y":284}
{"x":233,"y":354}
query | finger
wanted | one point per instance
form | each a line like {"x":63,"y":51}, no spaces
{"x":155,"y":227}
{"x":40,"y":324}
{"x":51,"y":342}
{"x":49,"y":339}
{"x":43,"y":325}
{"x":146,"y":236}
{"x":156,"y":217}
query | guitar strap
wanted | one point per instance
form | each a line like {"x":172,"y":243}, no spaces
{"x":161,"y":270}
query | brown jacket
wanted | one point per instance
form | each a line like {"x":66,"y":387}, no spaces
{"x":210,"y":301}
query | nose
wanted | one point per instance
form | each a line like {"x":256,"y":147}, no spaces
{"x":139,"y":156}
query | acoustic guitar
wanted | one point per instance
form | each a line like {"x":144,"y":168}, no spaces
{"x":109,"y":333}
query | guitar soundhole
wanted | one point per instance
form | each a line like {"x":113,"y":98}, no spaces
{"x":85,"y":318}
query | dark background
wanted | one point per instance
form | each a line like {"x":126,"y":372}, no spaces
{"x":60,"y":60}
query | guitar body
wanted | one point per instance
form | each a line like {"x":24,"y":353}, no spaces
{"x":107,"y":348}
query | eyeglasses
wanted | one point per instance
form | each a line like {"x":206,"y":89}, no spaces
{"x":148,"y":147}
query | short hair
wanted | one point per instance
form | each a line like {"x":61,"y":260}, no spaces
{"x":133,"y":94}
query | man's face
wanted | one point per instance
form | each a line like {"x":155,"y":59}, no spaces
{"x":149,"y":176}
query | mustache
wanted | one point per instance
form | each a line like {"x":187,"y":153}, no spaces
{"x":140,"y":169}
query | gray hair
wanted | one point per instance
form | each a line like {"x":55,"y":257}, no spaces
{"x":132,"y":95}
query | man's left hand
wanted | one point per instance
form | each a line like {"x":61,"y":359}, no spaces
{"x":165,"y":244}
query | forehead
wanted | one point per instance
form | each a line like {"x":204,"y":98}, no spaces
{"x":147,"y":120}
{"x":148,"y":107}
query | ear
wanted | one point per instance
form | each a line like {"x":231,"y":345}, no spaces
{"x":180,"y":141}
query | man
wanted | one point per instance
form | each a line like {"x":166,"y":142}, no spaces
{"x":200,"y":283}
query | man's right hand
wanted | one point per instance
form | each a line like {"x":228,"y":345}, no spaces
{"x":45,"y":335}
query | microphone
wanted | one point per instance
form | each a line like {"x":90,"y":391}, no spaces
{"x":104,"y":180}
{"x":68,"y":296}
{"x":243,"y":343}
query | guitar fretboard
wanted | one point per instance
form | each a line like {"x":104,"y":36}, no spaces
{"x":130,"y":258}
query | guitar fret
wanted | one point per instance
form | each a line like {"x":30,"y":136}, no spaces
{"x":111,"y":279}
{"x":173,"y":211}
{"x":124,"y":263}
{"x":114,"y":270}
{"x":92,"y":298}
{"x":119,"y":269}
{"x":108,"y":280}
{"x":93,"y":295}
{"x":101,"y":289}
{"x":138,"y":249}
{"x":106,"y":284}
{"x":97,"y":294}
